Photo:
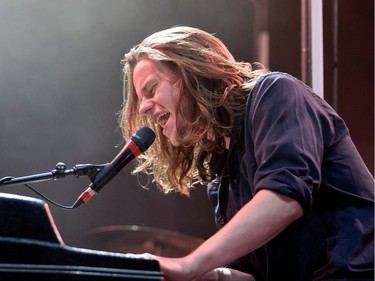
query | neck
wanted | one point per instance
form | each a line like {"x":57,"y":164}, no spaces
{"x":227,"y":142}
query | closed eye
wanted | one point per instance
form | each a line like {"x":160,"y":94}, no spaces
{"x":148,"y":90}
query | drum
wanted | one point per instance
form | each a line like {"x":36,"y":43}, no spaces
{"x":140,"y":239}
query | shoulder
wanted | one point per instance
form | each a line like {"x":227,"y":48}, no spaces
{"x":278,"y":81}
{"x":275,"y":89}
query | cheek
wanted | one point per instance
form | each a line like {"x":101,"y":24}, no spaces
{"x":175,"y":97}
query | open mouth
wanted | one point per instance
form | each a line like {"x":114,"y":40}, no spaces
{"x":162,"y":119}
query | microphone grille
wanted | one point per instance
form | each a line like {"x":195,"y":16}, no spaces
{"x":143,"y":138}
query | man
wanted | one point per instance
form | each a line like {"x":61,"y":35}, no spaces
{"x":292,"y":197}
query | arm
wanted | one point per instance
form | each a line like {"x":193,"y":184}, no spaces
{"x":266,"y":215}
{"x":284,"y":123}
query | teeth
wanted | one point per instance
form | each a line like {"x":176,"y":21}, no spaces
{"x":162,"y":119}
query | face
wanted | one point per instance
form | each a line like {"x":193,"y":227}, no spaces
{"x":158,"y":94}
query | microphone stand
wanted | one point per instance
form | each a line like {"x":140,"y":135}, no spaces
{"x":58,"y":173}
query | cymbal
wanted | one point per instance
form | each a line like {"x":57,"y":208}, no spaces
{"x":140,"y":239}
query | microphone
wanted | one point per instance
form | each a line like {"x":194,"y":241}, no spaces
{"x":138,"y":143}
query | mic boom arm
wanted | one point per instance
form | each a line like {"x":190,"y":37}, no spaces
{"x":58,"y":173}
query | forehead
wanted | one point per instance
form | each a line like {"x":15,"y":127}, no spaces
{"x":146,"y":70}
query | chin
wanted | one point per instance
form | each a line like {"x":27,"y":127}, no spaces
{"x":175,"y":143}
{"x":173,"y":140}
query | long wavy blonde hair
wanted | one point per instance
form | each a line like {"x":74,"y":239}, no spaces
{"x":214,"y":89}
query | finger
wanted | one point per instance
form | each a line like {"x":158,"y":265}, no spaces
{"x":145,"y":256}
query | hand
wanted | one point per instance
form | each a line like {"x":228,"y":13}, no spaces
{"x":174,"y":269}
{"x":226,"y":274}
{"x":218,"y":274}
{"x":181,"y":270}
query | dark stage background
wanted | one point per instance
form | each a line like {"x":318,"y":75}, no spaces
{"x":60,"y":90}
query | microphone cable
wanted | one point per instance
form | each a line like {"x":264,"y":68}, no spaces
{"x":40,"y":194}
{"x":48,"y":199}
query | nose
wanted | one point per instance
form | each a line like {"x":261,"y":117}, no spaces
{"x":145,"y":106}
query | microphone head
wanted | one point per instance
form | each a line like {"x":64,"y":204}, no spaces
{"x":143,"y":138}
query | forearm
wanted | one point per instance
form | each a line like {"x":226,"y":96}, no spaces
{"x":265,"y":216}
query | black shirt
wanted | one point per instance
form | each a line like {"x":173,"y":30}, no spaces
{"x":292,"y":142}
